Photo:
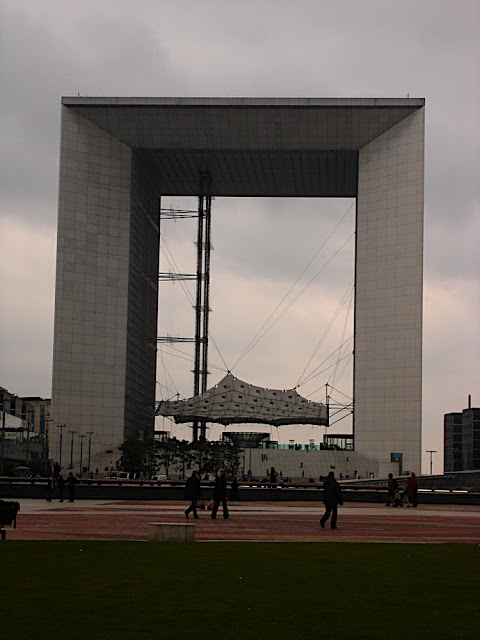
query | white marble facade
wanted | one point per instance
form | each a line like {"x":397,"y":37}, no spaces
{"x":117,"y":153}
{"x":388,"y":302}
{"x":89,"y":363}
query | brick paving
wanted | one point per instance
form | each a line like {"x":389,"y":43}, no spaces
{"x":276,"y":522}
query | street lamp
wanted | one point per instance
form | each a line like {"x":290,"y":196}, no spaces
{"x":71,"y":450}
{"x":3,"y":443}
{"x":46,"y":430}
{"x":28,"y":420}
{"x":90,"y":434}
{"x":431,"y":452}
{"x":81,"y":436}
{"x":61,"y":427}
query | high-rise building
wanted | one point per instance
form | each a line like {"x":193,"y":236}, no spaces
{"x":461,"y":440}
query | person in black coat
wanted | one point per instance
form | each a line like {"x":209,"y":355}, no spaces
{"x":392,"y":485}
{"x":192,"y":493}
{"x":50,"y":487}
{"x":61,"y":486}
{"x":220,"y":495}
{"x":332,"y":497}
{"x":234,"y":494}
{"x":71,"y":487}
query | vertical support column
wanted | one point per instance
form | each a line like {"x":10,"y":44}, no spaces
{"x":92,"y":285}
{"x":388,"y":295}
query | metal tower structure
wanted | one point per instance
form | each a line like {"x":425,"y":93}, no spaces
{"x":202,"y":298}
{"x":202,"y":308}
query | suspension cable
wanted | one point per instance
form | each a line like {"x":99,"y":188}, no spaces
{"x":254,"y":342}
{"x":345,"y":297}
{"x":260,"y":333}
{"x":347,"y":316}
{"x":348,"y":355}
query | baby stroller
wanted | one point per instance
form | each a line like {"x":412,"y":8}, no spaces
{"x":398,"y":498}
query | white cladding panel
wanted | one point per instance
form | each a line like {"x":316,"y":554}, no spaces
{"x":88,"y":387}
{"x":389,"y":284}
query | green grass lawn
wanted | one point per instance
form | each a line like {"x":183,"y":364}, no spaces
{"x":110,"y":590}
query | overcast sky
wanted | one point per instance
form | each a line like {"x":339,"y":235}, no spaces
{"x":307,"y":48}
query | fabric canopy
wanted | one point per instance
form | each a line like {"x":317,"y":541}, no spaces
{"x":233,"y":401}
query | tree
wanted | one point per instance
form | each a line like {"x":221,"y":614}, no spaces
{"x":184,"y":457}
{"x":151,"y":463}
{"x":231,"y":459}
{"x":200,"y":456}
{"x":133,"y":455}
{"x":166,"y":453}
{"x":216,"y":457}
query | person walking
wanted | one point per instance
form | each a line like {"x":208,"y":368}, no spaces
{"x":50,"y":487}
{"x":192,"y":493}
{"x":413,"y":489}
{"x":220,"y":495}
{"x":234,"y":494}
{"x":61,"y":486}
{"x":392,"y":485}
{"x":56,"y":470}
{"x":332,"y":497}
{"x":71,"y":487}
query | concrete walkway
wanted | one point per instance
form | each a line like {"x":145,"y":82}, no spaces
{"x":275,"y":522}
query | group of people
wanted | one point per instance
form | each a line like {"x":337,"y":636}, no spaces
{"x":57,"y":481}
{"x":192,"y":493}
{"x":332,"y":495}
{"x":402,"y":497}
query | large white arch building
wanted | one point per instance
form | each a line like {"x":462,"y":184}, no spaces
{"x":120,"y":155}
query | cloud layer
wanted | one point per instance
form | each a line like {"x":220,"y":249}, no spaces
{"x":268,"y":48}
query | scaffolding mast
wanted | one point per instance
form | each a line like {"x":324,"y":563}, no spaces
{"x":202,"y":302}
{"x":202,"y":298}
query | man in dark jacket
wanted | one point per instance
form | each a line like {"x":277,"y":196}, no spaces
{"x":192,"y":493}
{"x":61,"y":486}
{"x":392,"y":485}
{"x":71,"y":487}
{"x":332,"y":497}
{"x":220,"y":495}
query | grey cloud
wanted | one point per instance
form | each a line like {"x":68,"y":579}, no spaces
{"x":268,"y":48}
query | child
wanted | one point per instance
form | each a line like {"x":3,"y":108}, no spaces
{"x":397,"y":500}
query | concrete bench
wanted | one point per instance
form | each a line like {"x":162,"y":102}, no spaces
{"x":170,"y":532}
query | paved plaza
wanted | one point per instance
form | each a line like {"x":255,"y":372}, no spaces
{"x":274,"y":522}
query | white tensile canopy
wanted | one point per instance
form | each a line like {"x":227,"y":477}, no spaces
{"x":233,"y":401}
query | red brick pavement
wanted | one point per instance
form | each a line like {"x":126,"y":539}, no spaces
{"x":252,"y":522}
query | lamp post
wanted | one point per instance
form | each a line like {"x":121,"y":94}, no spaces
{"x":61,"y":427}
{"x":3,"y":444}
{"x":90,"y":434}
{"x":46,"y":431}
{"x":28,"y":418}
{"x":81,"y":436}
{"x":71,"y":449}
{"x":431,"y":452}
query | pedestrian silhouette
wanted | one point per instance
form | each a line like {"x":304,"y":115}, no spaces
{"x":220,"y":495}
{"x":192,"y":493}
{"x":71,"y":487}
{"x":61,"y":486}
{"x":332,"y":497}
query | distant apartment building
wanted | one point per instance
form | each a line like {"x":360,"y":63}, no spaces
{"x":24,"y":429}
{"x":40,"y":411}
{"x":461,"y":440}
{"x":33,"y":410}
